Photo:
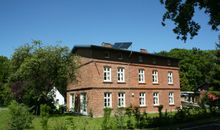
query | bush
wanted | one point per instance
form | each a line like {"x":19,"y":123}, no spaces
{"x":60,"y":125}
{"x":44,"y":114}
{"x":106,"y":124}
{"x":20,"y":118}
{"x":120,"y":119}
{"x":131,"y":120}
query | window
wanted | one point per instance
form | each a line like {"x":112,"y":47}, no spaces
{"x":140,"y":58}
{"x":72,"y":102}
{"x":120,"y":56}
{"x":141,"y":76}
{"x":121,"y":75}
{"x":170,"y":78}
{"x":156,"y":98}
{"x":107,"y":74}
{"x":155,"y":76}
{"x":142,"y":99}
{"x":121,"y":99}
{"x":107,"y":100}
{"x":171,"y":98}
{"x":107,"y":54}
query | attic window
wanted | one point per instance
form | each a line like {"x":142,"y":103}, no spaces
{"x":107,"y":54}
{"x":140,"y":58}
{"x":168,"y":62}
{"x":120,"y":56}
{"x":154,"y":61}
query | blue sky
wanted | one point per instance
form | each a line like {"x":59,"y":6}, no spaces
{"x":74,"y":22}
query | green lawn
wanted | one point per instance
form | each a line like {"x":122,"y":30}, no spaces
{"x":84,"y":123}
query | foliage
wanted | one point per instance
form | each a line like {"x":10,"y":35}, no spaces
{"x":106,"y":124}
{"x":196,"y":67}
{"x":5,"y":92}
{"x":182,"y":12}
{"x":20,"y":118}
{"x":37,"y":69}
{"x":44,"y":114}
{"x":120,"y":118}
{"x":130,"y":121}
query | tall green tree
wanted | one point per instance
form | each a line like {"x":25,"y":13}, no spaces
{"x":196,"y":67}
{"x":5,"y":93}
{"x":37,"y":69}
{"x":181,"y":12}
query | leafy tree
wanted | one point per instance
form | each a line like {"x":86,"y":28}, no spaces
{"x":5,"y":93}
{"x":196,"y":66}
{"x":181,"y":12}
{"x":216,"y":70}
{"x":37,"y":69}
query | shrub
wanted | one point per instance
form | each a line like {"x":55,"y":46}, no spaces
{"x":71,"y":123}
{"x":44,"y":114}
{"x":120,"y":118}
{"x":130,"y":120}
{"x":20,"y":117}
{"x":60,"y":125}
{"x":106,"y":124}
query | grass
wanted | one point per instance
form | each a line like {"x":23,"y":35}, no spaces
{"x":84,"y":123}
{"x":4,"y":117}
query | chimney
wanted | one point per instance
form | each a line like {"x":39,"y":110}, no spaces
{"x":143,"y":50}
{"x":108,"y":45}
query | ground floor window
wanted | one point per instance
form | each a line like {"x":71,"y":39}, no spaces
{"x":171,"y":98}
{"x":83,"y":103}
{"x":107,"y":100}
{"x":72,"y":102}
{"x":142,"y":99}
{"x":156,"y":98}
{"x":121,"y":99}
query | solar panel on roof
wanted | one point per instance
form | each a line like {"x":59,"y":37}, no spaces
{"x":122,"y":45}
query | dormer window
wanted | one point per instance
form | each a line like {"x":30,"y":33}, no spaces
{"x":120,"y":56}
{"x":107,"y":54}
{"x":154,"y":61}
{"x":168,"y":62}
{"x":140,"y":58}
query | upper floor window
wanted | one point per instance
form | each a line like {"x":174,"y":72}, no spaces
{"x":141,"y":77}
{"x":171,"y":98}
{"x":156,"y":98}
{"x":121,"y":74}
{"x":142,"y":99}
{"x":107,"y":100}
{"x":121,"y":99}
{"x":170,"y":77}
{"x":155,"y":76}
{"x":107,"y":54}
{"x":107,"y":74}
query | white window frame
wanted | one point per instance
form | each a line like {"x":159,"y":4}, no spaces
{"x":121,"y":99}
{"x":171,"y":98}
{"x":170,"y":77}
{"x":121,"y":74}
{"x":141,"y":76}
{"x":156,"y":99}
{"x":107,"y":100}
{"x":107,"y":76}
{"x":155,"y":76}
{"x":142,"y":99}
{"x":72,"y":102}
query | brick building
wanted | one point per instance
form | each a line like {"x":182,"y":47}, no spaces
{"x":112,"y":77}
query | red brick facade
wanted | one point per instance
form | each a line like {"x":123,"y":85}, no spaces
{"x":90,"y":82}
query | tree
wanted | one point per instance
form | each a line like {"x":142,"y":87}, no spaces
{"x":5,"y":92}
{"x":37,"y":69}
{"x":181,"y":12}
{"x":196,"y":66}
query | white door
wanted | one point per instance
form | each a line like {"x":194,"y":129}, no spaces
{"x":83,"y":104}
